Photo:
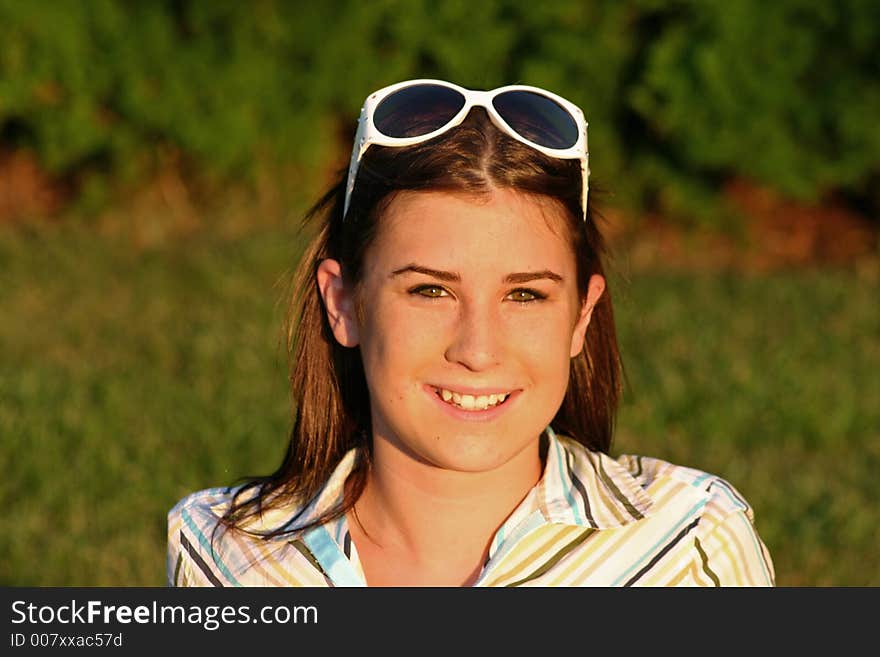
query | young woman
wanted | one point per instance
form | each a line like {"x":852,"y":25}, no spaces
{"x":456,"y":376}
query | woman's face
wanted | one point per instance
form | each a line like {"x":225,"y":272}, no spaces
{"x":470,"y":315}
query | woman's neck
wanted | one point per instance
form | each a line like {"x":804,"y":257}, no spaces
{"x":418,"y":524}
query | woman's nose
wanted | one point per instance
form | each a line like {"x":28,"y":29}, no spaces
{"x":477,"y":339}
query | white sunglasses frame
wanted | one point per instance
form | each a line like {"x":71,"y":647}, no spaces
{"x":368,"y":134}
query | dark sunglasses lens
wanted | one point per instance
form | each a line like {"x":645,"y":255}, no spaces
{"x":537,"y":118}
{"x":417,"y":110}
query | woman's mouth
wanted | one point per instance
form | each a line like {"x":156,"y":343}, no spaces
{"x":469,"y":402}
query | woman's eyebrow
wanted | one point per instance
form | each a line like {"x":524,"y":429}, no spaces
{"x":515,"y":278}
{"x":526,"y":276}
{"x":449,"y":276}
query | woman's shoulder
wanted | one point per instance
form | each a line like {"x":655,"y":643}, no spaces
{"x":657,"y":474}
{"x":202,"y":510}
{"x":209,"y":501}
{"x":714,"y":513}
{"x":194,"y":523}
{"x":205,"y":550}
{"x":661,"y":482}
{"x":202,"y":507}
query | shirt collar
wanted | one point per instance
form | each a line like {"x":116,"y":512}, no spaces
{"x":578,"y":487}
{"x":586,"y":488}
{"x":292,"y":517}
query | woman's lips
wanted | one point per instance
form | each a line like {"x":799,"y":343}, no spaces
{"x":471,"y":404}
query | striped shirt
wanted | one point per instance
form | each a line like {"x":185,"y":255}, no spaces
{"x":591,"y":520}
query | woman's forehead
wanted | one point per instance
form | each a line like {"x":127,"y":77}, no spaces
{"x":501,"y":225}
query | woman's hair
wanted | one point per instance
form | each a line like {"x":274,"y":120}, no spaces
{"x":328,"y":387}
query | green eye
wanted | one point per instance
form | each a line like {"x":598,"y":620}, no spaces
{"x":430,"y":291}
{"x":524,"y":295}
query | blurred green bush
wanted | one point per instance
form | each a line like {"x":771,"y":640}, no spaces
{"x":680,"y":95}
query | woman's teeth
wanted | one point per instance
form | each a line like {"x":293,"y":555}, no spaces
{"x":472,"y":402}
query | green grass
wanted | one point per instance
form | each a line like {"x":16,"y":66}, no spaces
{"x":772,"y":382}
{"x":129,"y":378}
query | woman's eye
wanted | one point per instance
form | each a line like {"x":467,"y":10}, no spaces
{"x":430,"y":291}
{"x":524,"y":295}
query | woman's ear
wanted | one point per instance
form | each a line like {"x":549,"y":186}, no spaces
{"x":338,"y":303}
{"x":595,"y":289}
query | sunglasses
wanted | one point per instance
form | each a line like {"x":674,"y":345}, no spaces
{"x":415,"y":111}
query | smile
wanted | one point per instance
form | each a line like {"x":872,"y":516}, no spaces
{"x":471,"y":402}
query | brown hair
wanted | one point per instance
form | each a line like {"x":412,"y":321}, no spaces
{"x":332,"y":403}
